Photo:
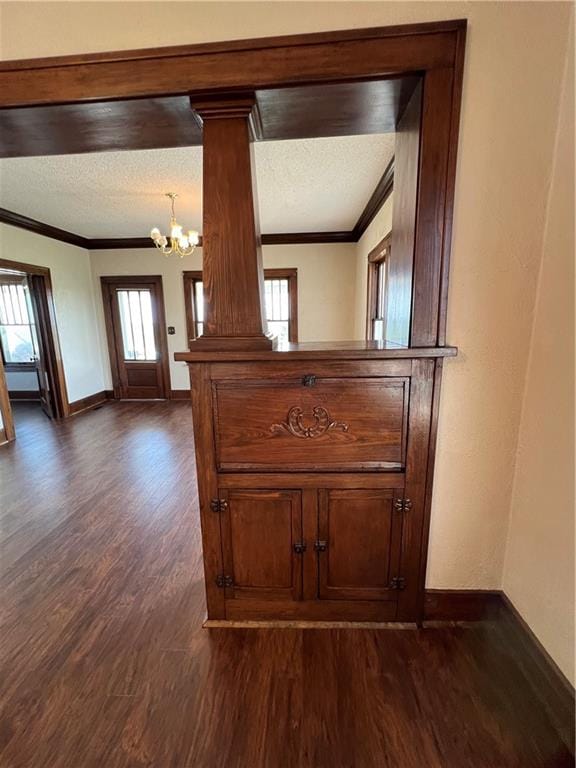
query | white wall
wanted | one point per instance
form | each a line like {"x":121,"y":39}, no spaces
{"x":379,"y":227}
{"x":74,"y":302}
{"x":326,"y":275}
{"x":25,"y":381}
{"x":326,"y":287}
{"x":539,"y":567}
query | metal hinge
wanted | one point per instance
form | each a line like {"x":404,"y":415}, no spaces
{"x":218,"y":505}
{"x":224,"y":581}
{"x":320,"y":546}
{"x":403,"y":505}
{"x":300,"y":547}
{"x":398,"y":582}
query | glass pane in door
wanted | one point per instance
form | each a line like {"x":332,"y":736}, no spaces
{"x":137,"y":324}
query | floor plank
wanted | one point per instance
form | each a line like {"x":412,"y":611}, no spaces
{"x":105,"y":663}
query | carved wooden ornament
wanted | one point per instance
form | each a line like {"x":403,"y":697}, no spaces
{"x":295,"y":426}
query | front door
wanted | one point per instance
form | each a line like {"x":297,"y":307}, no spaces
{"x":135,"y":325}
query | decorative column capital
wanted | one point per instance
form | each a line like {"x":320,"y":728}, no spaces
{"x":222,"y":106}
{"x":227,"y":107}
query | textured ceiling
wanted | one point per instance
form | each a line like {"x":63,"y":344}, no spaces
{"x":311,"y":185}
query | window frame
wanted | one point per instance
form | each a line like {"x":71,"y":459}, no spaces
{"x":190,"y":277}
{"x":11,"y":366}
{"x":378,"y":256}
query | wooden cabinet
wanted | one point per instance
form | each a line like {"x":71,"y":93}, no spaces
{"x":313,"y":517}
{"x":339,"y":555}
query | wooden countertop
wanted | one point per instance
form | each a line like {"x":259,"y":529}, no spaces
{"x":339,"y":350}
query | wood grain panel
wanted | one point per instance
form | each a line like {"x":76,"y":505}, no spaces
{"x":362,"y":533}
{"x":336,"y":424}
{"x":341,"y":109}
{"x":437,"y":132}
{"x":207,"y":487}
{"x":98,"y":127}
{"x":400,"y":262}
{"x":259,"y":531}
{"x":311,"y":351}
{"x":233,"y":276}
{"x":248,"y":64}
{"x":312,"y":480}
{"x":411,"y":562}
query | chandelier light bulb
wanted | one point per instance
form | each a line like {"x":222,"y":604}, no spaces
{"x":180,"y":243}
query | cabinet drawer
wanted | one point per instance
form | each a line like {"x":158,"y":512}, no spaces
{"x":336,"y":424}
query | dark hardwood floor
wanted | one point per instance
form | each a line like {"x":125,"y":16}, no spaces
{"x":105,"y":663}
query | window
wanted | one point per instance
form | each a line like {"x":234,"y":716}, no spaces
{"x":376,"y":304}
{"x":18,"y":337}
{"x":137,"y":323}
{"x":280,"y":294}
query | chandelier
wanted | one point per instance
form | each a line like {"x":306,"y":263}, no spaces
{"x":180,"y":243}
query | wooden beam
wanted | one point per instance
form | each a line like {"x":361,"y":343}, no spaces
{"x":244,"y":64}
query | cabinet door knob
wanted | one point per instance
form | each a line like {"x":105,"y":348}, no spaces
{"x":300,"y":547}
{"x":320,"y":546}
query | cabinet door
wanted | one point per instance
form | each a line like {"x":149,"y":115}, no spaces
{"x":358,"y":544}
{"x":259,"y":532}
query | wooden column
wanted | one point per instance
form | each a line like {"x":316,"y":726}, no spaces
{"x":233,"y":277}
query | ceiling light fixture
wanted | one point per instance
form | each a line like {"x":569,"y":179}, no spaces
{"x":180,"y":243}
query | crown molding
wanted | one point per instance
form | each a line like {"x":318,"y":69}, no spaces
{"x":121,"y":243}
{"x":378,"y":198}
{"x":40,"y":228}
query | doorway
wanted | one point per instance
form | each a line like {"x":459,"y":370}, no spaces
{"x":30,"y":356}
{"x":136,"y":332}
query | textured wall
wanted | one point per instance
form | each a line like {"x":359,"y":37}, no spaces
{"x":539,"y":567}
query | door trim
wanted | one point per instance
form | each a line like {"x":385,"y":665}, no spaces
{"x":106,"y":283}
{"x":52,"y":342}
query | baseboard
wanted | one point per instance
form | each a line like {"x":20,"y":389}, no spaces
{"x":179,"y":394}
{"x":461,"y":604}
{"x":280,"y":624}
{"x":549,"y":684}
{"x":23,"y":394}
{"x":547,"y":680}
{"x":87,"y":403}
